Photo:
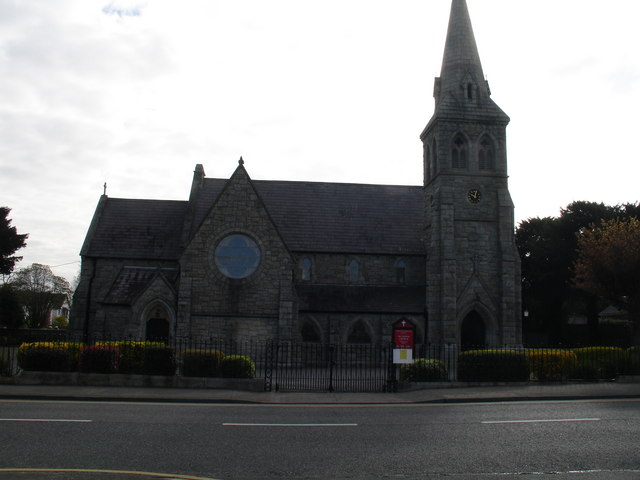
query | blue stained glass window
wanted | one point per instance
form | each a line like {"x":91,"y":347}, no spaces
{"x":237,"y":256}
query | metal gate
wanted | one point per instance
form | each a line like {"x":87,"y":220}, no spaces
{"x":329,"y":368}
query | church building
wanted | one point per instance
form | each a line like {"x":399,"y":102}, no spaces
{"x":325,"y":262}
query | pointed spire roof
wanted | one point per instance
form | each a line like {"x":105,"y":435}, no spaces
{"x":461,"y":89}
{"x":461,"y":60}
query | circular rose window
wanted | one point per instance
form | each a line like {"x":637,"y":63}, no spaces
{"x":237,"y":256}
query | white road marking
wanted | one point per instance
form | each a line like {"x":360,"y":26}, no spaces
{"x":544,"y":420}
{"x":62,"y":420}
{"x":128,"y":473}
{"x":289,"y":424}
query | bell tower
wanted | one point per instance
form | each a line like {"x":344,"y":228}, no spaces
{"x":473,"y":268}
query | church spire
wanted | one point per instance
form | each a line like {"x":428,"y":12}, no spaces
{"x":461,"y":75}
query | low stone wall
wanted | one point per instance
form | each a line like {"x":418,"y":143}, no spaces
{"x":123,"y":380}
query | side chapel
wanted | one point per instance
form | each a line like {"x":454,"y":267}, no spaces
{"x":325,"y":262}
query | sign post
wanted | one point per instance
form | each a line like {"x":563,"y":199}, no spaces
{"x":403,"y":341}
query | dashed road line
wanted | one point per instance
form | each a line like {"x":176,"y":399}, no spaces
{"x":289,"y":424}
{"x":107,"y":472}
{"x":544,"y":420}
{"x":59,"y":420}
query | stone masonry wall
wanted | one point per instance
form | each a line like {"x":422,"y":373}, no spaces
{"x":212,"y":304}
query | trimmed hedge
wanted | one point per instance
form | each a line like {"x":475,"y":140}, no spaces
{"x":99,"y":359}
{"x":601,"y":362}
{"x":550,"y":364}
{"x":238,"y":366}
{"x":44,"y":357}
{"x":132,"y":354}
{"x":201,"y":363}
{"x":633,"y":354}
{"x":424,"y":370}
{"x":159,"y":361}
{"x":493,"y":366}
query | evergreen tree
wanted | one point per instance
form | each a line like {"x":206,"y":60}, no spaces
{"x":10,"y":242}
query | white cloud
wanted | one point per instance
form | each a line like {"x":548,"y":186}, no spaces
{"x":136,"y":93}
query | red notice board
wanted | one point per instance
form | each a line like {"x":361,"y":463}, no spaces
{"x":404,"y":334}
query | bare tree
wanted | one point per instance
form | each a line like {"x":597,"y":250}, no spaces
{"x":40,"y":291}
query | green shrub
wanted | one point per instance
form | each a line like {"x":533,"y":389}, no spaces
{"x":74,"y":353}
{"x":423,"y":370}
{"x":550,"y":364}
{"x":201,"y":363}
{"x":131,"y":354}
{"x":493,"y":366}
{"x":43,"y":357}
{"x":608,"y":361}
{"x":99,"y":359}
{"x":238,"y":366}
{"x":159,"y":361}
{"x":60,"y":322}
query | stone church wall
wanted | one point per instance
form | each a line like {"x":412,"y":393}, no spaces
{"x":104,"y":320}
{"x":335,"y":328}
{"x":374,"y":269}
{"x":246,"y":306}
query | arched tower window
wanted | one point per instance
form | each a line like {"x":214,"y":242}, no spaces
{"x":354,"y":271}
{"x":486,"y":154}
{"x":427,"y":159}
{"x":459,"y":152}
{"x":434,"y":155}
{"x":307,"y":266}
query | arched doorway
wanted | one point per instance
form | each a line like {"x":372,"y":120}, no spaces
{"x":310,"y":332}
{"x":359,"y":333}
{"x":157,"y":325}
{"x":472,"y":331}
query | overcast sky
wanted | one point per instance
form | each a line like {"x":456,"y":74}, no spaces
{"x":135,"y":94}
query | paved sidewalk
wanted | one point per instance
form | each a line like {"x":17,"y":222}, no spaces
{"x":437,"y":394}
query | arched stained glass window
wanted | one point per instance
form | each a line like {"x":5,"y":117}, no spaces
{"x":354,"y":271}
{"x":307,"y":266}
{"x":401,"y":270}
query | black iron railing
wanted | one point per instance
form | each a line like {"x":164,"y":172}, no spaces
{"x":306,"y":366}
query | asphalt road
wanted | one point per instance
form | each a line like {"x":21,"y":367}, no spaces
{"x":523,"y":440}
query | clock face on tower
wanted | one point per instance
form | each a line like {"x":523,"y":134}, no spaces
{"x":474,"y":195}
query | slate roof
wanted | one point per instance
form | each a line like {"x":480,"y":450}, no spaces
{"x":141,"y":229}
{"x":311,"y":217}
{"x":131,"y":281}
{"x":361,"y":298}
{"x":337,"y":217}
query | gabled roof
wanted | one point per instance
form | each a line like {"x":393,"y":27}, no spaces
{"x":310,"y":216}
{"x":141,"y":229}
{"x":337,"y":217}
{"x":131,"y":281}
